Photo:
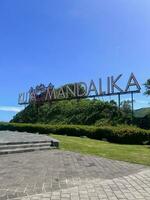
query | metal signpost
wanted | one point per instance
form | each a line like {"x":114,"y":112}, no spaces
{"x":42,"y":94}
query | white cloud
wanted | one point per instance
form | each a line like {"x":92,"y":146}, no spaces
{"x":15,"y":109}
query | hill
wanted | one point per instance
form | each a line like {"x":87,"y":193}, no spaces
{"x":142,"y":112}
{"x":85,"y":111}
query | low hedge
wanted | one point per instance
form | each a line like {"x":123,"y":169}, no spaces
{"x":119,"y":134}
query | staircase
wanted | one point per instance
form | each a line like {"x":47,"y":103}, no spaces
{"x":20,"y":147}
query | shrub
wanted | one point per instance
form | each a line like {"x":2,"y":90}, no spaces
{"x":118,"y":134}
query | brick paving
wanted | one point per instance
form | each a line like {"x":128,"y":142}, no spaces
{"x":60,"y":175}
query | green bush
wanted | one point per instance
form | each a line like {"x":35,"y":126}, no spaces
{"x":118,"y":134}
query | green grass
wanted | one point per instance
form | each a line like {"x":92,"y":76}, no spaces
{"x":131,"y":153}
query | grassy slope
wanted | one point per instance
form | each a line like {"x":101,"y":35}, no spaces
{"x":131,"y":153}
{"x":142,"y":112}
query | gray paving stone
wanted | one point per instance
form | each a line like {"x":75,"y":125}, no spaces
{"x":60,"y":175}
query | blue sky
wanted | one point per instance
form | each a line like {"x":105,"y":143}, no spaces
{"x":62,"y":41}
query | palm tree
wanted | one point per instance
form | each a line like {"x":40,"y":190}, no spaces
{"x":147,"y":87}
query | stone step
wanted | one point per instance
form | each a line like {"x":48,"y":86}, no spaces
{"x":18,"y":142}
{"x":52,"y":141}
{"x":21,"y":150}
{"x":16,"y":146}
{"x":26,"y":142}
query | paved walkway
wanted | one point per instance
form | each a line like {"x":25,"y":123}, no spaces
{"x":19,"y":137}
{"x":59,"y":175}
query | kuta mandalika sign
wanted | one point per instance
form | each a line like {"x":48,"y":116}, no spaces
{"x":78,"y":90}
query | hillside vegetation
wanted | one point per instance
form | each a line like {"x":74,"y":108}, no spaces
{"x":142,"y":112}
{"x":81,"y":112}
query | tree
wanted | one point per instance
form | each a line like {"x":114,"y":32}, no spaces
{"x":147,"y":87}
{"x":126,"y":111}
